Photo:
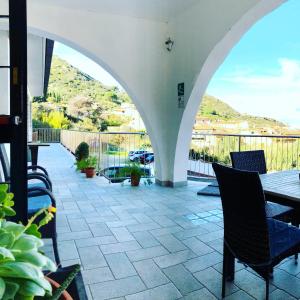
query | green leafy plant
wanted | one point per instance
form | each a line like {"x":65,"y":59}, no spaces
{"x":82,"y":151}
{"x":132,"y":169}
{"x":80,"y":164}
{"x":90,"y":162}
{"x":21,"y":260}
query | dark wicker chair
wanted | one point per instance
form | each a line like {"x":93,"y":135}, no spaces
{"x":249,"y":236}
{"x":255,"y":161}
{"x":39,"y":196}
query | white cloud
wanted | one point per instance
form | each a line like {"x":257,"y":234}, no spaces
{"x":287,"y":76}
{"x":276,"y":93}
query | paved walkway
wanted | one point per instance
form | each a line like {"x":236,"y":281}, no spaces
{"x":149,"y":243}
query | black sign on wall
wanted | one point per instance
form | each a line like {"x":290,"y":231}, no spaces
{"x":180,"y":93}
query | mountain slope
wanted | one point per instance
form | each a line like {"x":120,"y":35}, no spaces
{"x":78,"y":101}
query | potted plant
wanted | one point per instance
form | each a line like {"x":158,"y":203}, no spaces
{"x":80,"y":165}
{"x":90,"y":164}
{"x":21,"y":260}
{"x":135,"y":172}
{"x":81,"y":153}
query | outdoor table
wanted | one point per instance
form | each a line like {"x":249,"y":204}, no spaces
{"x":34,"y":150}
{"x":282,"y":187}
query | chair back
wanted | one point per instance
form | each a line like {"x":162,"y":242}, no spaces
{"x":4,"y":162}
{"x":245,"y":225}
{"x":249,"y":161}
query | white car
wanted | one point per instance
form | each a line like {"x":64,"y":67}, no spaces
{"x":135,"y":155}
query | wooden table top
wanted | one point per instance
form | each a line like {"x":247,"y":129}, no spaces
{"x":284,"y":184}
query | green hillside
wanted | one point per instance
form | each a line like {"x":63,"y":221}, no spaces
{"x":76,"y":100}
{"x":217,"y":110}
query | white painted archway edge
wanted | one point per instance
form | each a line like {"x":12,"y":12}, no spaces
{"x":213,"y":61}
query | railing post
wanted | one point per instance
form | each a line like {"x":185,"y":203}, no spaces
{"x":240,"y":145}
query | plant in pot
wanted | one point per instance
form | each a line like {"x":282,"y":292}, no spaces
{"x":81,"y":153}
{"x":134,"y":171}
{"x":21,"y":260}
{"x":90,"y":164}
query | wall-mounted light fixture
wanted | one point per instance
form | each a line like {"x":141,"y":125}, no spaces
{"x":169,"y":44}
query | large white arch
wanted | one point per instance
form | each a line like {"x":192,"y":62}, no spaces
{"x":73,"y":44}
{"x":129,"y":42}
{"x":213,"y":61}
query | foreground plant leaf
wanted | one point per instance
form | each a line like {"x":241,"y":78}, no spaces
{"x":11,"y":289}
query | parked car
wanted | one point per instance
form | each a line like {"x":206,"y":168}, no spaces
{"x":149,"y":159}
{"x":114,"y":173}
{"x":135,"y":155}
{"x":144,"y":158}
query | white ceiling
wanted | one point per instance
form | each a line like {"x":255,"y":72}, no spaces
{"x":161,"y":10}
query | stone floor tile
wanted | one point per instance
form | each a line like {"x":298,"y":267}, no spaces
{"x":122,"y":234}
{"x":239,"y":295}
{"x":143,"y":227}
{"x":120,"y":265}
{"x":78,"y":225}
{"x":150,"y":273}
{"x":120,"y":247}
{"x":287,"y":282}
{"x":187,"y":233}
{"x":163,"y":221}
{"x":184,"y":281}
{"x":281,"y":295}
{"x":117,"y":288}
{"x":290,"y":266}
{"x":67,"y":250}
{"x":203,"y":262}
{"x":67,"y":236}
{"x":197,"y":246}
{"x":91,"y":257}
{"x":121,"y":223}
{"x":165,"y":230}
{"x":172,"y":259}
{"x":171,"y":243}
{"x":97,"y":275}
{"x":146,"y":253}
{"x":211,"y":236}
{"x":163,"y":292}
{"x":99,"y":229}
{"x":212,"y":280}
{"x":94,"y":241}
{"x":204,"y":294}
{"x":145,"y":239}
{"x":251,"y":284}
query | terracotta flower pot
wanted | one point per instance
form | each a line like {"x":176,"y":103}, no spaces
{"x":135,"y":180}
{"x":65,"y":295}
{"x":90,"y":172}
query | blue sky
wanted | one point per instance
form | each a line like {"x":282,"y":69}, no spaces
{"x":261,"y":75}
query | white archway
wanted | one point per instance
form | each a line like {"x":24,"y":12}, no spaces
{"x":114,"y":74}
{"x":213,"y":61}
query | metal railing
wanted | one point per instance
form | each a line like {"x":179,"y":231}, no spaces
{"x":282,"y":152}
{"x":46,"y":135}
{"x":111,"y":148}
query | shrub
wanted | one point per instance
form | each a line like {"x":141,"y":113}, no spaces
{"x":82,"y":151}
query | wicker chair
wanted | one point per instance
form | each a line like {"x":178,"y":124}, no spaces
{"x":39,"y":196}
{"x":255,"y":161}
{"x":249,"y":236}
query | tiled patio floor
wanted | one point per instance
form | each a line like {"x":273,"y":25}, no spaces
{"x":148,"y":242}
